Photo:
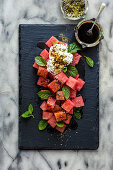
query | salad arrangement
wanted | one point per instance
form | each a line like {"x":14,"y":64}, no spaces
{"x":60,"y":81}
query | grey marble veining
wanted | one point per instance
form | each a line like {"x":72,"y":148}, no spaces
{"x":13,"y":13}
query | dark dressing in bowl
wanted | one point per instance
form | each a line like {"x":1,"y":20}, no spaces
{"x":83,"y":35}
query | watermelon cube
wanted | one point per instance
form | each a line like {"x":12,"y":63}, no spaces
{"x":42,"y":72}
{"x":43,"y":106}
{"x":76,"y":59}
{"x":73,"y":93}
{"x":61,"y":129}
{"x":52,"y":121}
{"x":51,"y":102}
{"x":44,"y":54}
{"x":61,"y":77}
{"x":46,"y":115}
{"x":60,"y":95}
{"x":68,"y":119}
{"x":56,"y":108}
{"x":78,"y":101}
{"x":49,"y":42}
{"x":67,"y":105}
{"x":43,"y":82}
{"x":51,"y":76}
{"x":35,"y":65}
{"x":80,"y":84}
{"x":71,"y":112}
{"x":72,"y":83}
{"x":54,"y":86}
{"x":60,"y":115}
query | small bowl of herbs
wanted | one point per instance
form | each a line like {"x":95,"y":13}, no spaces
{"x":74,"y":9}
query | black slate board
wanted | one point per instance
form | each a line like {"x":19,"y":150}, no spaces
{"x":86,"y":136}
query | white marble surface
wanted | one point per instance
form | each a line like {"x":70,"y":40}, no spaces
{"x":13,"y":13}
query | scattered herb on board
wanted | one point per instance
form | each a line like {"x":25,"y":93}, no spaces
{"x":28,"y":113}
{"x":45,"y":94}
{"x":60,"y":124}
{"x":42,"y":124}
{"x":73,"y":48}
{"x":63,"y":38}
{"x":77,"y":113}
{"x":40,"y":61}
{"x":89,"y":61}
{"x":66,"y":91}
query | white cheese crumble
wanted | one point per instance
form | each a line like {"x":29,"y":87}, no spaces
{"x":58,"y":58}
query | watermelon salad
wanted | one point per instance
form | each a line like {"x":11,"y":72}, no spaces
{"x":60,"y":83}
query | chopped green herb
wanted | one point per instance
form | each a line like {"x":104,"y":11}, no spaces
{"x":60,"y":124}
{"x":28,"y":113}
{"x":45,"y":94}
{"x":66,"y":91}
{"x":40,"y":61}
{"x":42,"y":124}
{"x":89,"y":61}
{"x":77,"y":113}
{"x":54,"y":43}
{"x":73,"y":48}
{"x":64,"y":69}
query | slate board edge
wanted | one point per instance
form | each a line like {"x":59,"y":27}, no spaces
{"x":20,"y":147}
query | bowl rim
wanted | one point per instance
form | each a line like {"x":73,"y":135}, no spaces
{"x":100,"y":33}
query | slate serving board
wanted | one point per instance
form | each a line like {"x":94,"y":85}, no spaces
{"x":86,"y":135}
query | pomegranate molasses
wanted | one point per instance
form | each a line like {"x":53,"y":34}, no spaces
{"x":83,"y":35}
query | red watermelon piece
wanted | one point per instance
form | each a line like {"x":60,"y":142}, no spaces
{"x":51,"y":76}
{"x":80,"y":84}
{"x":76,"y":59}
{"x":78,"y":101}
{"x":68,"y":119}
{"x":43,"y":82}
{"x":46,"y":115}
{"x":35,"y":65}
{"x":43,"y":106}
{"x":49,"y":42}
{"x":61,"y":129}
{"x":42,"y":72}
{"x":60,"y":95}
{"x":60,"y":115}
{"x":73,"y":93}
{"x":67,"y":105}
{"x":44,"y":54}
{"x":71,"y":112}
{"x":71,"y":82}
{"x":56,"y":108}
{"x":61,"y":77}
{"x":51,"y":102}
{"x":52,"y":121}
{"x":54,"y":86}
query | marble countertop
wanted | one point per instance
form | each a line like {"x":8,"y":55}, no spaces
{"x":13,"y":13}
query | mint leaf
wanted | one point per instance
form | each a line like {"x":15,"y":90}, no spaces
{"x":66,"y":91}
{"x":78,"y":109}
{"x":42,"y":124}
{"x":60,"y":124}
{"x":54,"y":43}
{"x":27,"y":114}
{"x":40,"y":61}
{"x":72,"y":71}
{"x":73,"y":48}
{"x":45,"y":94}
{"x":30,"y":108}
{"x":64,"y":69}
{"x":89,"y":61}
